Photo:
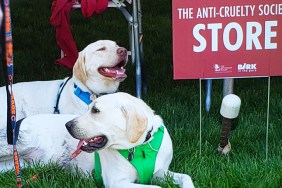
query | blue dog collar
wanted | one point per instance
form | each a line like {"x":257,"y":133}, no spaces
{"x":84,"y":96}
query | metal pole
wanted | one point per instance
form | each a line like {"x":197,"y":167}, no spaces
{"x":137,"y":50}
{"x":267,"y":119}
{"x":208,"y":94}
{"x":228,"y":84}
{"x":200,"y":112}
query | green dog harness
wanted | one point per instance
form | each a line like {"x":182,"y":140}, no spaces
{"x":142,"y":157}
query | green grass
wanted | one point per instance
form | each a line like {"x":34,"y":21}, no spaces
{"x":177,"y":101}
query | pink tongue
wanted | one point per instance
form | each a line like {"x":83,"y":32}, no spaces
{"x":80,"y":143}
{"x":115,"y":72}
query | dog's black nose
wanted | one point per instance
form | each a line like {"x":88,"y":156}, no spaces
{"x":69,"y":124}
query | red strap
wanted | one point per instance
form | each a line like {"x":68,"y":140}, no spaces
{"x":91,"y":7}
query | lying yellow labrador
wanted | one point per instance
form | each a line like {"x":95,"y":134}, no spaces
{"x":131,"y":143}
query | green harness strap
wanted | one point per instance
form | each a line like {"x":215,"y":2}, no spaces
{"x":144,"y":159}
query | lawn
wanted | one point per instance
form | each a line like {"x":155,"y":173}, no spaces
{"x":253,"y":162}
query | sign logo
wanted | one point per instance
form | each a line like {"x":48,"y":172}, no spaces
{"x":216,"y":68}
{"x":222,"y":68}
{"x":247,"y":67}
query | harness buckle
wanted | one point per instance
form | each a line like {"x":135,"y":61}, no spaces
{"x":131,"y":154}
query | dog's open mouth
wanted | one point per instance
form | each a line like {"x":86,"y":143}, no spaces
{"x":117,"y":72}
{"x":92,"y":144}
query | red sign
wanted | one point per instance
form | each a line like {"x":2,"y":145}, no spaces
{"x":218,"y":39}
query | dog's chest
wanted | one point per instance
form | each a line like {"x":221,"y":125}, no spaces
{"x":140,"y":159}
{"x":115,"y":167}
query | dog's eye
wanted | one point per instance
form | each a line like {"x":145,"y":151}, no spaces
{"x":102,"y":49}
{"x":95,"y":110}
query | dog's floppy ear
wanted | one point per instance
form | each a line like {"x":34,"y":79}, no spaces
{"x":136,"y":122}
{"x":79,"y":67}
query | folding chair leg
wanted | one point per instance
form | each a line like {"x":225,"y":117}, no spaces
{"x":131,"y":42}
{"x":141,"y":52}
{"x":144,"y":78}
{"x":137,"y":50}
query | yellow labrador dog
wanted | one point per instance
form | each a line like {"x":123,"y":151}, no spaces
{"x":99,"y":69}
{"x":131,"y":142}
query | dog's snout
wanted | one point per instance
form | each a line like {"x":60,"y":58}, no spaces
{"x":69,"y":124}
{"x":121,"y":51}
